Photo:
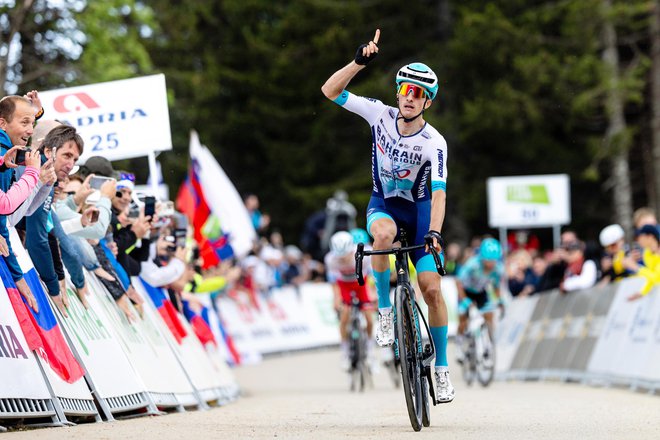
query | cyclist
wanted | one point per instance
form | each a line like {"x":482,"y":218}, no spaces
{"x":340,"y":270}
{"x":478,"y":281}
{"x":406,"y":153}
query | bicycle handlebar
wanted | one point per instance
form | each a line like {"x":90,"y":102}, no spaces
{"x":360,"y":254}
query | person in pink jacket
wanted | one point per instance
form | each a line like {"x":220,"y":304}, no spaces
{"x":22,"y":188}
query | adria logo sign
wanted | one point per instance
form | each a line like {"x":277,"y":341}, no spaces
{"x":74,"y":102}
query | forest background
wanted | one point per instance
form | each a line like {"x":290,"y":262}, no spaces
{"x":526,"y":87}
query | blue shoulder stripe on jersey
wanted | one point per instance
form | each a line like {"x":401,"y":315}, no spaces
{"x":439,"y":185}
{"x":342,"y":98}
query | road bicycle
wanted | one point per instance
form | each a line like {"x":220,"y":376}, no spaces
{"x":359,"y":371}
{"x":478,"y":349}
{"x":409,"y":333}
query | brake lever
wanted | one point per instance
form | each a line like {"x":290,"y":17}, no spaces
{"x":359,"y":254}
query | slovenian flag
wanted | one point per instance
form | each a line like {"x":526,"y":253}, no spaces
{"x":41,"y":330}
{"x":200,"y":323}
{"x":191,"y":201}
{"x":167,"y":311}
{"x":221,"y":223}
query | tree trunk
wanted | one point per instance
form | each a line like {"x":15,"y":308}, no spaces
{"x":16,"y":18}
{"x":444,"y":20}
{"x":655,"y":103}
{"x":617,"y":140}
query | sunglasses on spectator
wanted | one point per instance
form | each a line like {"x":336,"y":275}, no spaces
{"x":127,"y":176}
{"x":417,"y":91}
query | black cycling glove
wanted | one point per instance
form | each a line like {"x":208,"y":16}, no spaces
{"x":361,"y":59}
{"x":428,"y":238}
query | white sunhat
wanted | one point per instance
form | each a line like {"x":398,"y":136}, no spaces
{"x":611,"y":234}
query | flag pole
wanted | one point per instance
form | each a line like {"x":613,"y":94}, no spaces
{"x":153,"y":172}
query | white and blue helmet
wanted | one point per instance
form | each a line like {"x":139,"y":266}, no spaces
{"x":420,"y":74}
{"x":341,"y":243}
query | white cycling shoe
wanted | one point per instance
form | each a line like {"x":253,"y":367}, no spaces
{"x":444,"y":389}
{"x":385,"y":328}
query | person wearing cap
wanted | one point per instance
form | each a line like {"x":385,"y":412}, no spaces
{"x":612,"y":238}
{"x":644,"y":261}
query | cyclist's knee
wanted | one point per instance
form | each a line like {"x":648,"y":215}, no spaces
{"x":433,"y":297}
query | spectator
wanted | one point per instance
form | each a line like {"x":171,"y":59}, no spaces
{"x":130,"y":233}
{"x":294,"y":273}
{"x":648,"y":239}
{"x":612,"y":238}
{"x":17,"y":117}
{"x":556,"y":266}
{"x":523,"y":239}
{"x":644,"y":216}
{"x":64,"y":145}
{"x":520,"y":275}
{"x":453,"y":258}
{"x":310,"y":241}
{"x":580,"y":273}
{"x":259,"y":221}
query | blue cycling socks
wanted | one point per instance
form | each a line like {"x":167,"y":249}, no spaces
{"x":383,"y":288}
{"x":439,"y":336}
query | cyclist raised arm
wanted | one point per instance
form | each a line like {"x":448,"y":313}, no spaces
{"x":406,"y":153}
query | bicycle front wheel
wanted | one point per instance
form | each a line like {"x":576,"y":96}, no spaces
{"x":485,"y":356}
{"x":408,"y":343}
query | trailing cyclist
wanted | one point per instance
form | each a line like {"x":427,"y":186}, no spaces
{"x":478,"y":282}
{"x":340,"y":270}
{"x":407,"y":155}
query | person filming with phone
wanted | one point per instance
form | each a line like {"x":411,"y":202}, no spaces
{"x":131,"y":234}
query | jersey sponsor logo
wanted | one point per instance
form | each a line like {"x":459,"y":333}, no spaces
{"x":405,"y":156}
{"x":401,"y":173}
{"x":422,"y":183}
{"x":372,"y":99}
{"x":417,"y":148}
{"x":441,"y":163}
{"x":426,"y":135}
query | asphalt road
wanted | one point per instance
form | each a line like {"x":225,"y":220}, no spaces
{"x":306,"y":396}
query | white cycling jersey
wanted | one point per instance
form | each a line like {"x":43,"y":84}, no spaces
{"x":400,"y":165}
{"x":342,"y":268}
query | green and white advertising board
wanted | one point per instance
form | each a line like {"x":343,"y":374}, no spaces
{"x":517,"y":202}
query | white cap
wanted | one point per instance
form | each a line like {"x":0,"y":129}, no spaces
{"x":611,"y":234}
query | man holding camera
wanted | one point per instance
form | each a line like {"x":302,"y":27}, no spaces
{"x":62,"y":145}
{"x":17,"y":116}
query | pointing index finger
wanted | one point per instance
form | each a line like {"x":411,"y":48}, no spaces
{"x":377,"y":36}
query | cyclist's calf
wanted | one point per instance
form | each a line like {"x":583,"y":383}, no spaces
{"x":429,"y":283}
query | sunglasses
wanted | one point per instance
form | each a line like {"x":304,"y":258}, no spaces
{"x":127,"y":176}
{"x":417,"y":91}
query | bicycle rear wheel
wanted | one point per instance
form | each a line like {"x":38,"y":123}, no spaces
{"x":408,"y":343}
{"x":485,"y":356}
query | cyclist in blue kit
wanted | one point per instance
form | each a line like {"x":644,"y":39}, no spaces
{"x":407,"y":155}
